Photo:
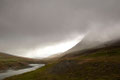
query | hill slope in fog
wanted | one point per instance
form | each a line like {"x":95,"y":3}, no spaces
{"x":79,"y":49}
{"x":93,"y":40}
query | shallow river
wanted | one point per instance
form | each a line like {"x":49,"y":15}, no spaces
{"x":9,"y":73}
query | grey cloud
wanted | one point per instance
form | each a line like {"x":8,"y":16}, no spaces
{"x":25,"y":24}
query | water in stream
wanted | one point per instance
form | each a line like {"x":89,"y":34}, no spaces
{"x":9,"y":73}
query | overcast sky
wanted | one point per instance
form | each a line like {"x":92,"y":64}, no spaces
{"x":27,"y":25}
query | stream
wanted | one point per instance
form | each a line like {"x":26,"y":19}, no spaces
{"x":11,"y":72}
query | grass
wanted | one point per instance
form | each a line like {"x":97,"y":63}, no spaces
{"x":9,"y":61}
{"x":103,"y":64}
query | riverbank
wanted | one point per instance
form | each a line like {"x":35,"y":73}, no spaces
{"x":13,"y":62}
{"x":11,"y":72}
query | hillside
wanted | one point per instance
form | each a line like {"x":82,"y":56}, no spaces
{"x":106,"y":45}
{"x":88,"y":42}
{"x":8,"y":61}
{"x":93,"y":64}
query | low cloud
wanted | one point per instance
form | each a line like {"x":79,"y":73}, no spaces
{"x":26,"y":24}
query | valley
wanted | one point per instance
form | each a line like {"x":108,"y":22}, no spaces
{"x":94,"y":64}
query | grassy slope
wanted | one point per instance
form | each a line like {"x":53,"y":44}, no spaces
{"x":9,"y":61}
{"x":103,"y":64}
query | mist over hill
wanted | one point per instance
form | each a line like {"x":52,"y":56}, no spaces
{"x":96,"y":39}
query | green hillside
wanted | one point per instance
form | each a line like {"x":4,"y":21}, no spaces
{"x":8,"y":61}
{"x":96,"y":64}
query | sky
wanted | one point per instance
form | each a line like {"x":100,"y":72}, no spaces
{"x":40,"y":28}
